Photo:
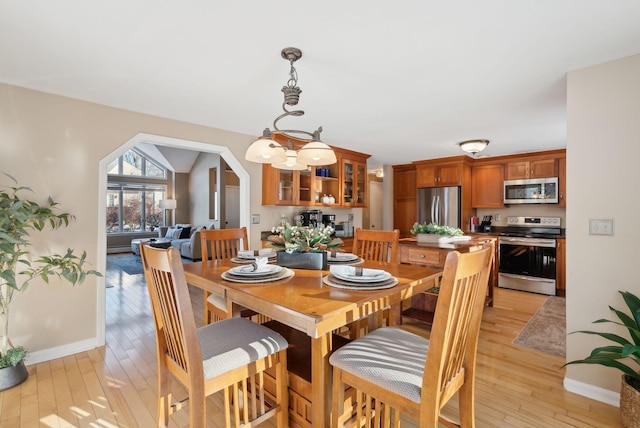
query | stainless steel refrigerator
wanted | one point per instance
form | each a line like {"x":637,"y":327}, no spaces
{"x":440,"y":205}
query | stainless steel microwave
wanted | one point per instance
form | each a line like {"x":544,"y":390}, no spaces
{"x":531,"y":191}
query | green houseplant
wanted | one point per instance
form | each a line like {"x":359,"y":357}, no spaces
{"x":622,"y":354}
{"x":431,"y":232}
{"x":19,"y":217}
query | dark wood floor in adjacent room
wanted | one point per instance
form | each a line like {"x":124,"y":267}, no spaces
{"x":115,"y":385}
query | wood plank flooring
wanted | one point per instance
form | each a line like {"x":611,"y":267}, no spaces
{"x":115,"y":385}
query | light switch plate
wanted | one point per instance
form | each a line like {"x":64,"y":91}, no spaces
{"x":601,"y":226}
{"x":255,"y":218}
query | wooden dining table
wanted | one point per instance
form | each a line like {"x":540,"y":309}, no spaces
{"x":305,"y":303}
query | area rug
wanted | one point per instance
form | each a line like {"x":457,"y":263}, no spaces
{"x":546,"y":331}
{"x":129,"y":263}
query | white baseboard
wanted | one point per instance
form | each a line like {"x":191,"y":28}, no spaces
{"x":594,"y":392}
{"x":60,"y":351}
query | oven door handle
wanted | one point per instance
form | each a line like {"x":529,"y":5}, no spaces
{"x":528,"y":278}
{"x":537,"y":242}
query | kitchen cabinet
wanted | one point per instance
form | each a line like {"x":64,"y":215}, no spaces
{"x":285,"y":187}
{"x":346,"y":181}
{"x":405,"y":199}
{"x":487,"y":186}
{"x":421,"y":307}
{"x":538,"y":168}
{"x":562,"y":182}
{"x":439,"y":173}
{"x":354,"y":183}
{"x":561,"y":274}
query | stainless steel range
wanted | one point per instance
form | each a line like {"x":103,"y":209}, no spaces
{"x":527,"y":254}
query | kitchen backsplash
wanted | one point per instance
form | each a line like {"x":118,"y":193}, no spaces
{"x":525,"y":210}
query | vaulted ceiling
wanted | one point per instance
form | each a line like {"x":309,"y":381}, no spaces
{"x":400,"y":80}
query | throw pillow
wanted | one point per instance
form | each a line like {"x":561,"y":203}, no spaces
{"x":172,"y":232}
{"x":185,"y":232}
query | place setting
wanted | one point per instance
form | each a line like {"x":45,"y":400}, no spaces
{"x":249,"y":256}
{"x":358,"y":278}
{"x":258,"y":271}
{"x":340,"y":258}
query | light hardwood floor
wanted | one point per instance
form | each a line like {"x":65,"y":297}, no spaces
{"x":115,"y":385}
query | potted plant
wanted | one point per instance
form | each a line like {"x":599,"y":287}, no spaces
{"x":303,"y":247}
{"x":622,"y":349}
{"x":431,"y":232}
{"x":19,"y":217}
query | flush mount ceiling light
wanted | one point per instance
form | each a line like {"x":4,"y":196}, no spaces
{"x":473,"y":146}
{"x":269,"y":147}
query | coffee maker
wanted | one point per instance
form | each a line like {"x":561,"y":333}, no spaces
{"x":329,"y":220}
{"x":311,"y":217}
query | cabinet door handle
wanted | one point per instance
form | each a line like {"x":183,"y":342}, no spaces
{"x":422,"y":256}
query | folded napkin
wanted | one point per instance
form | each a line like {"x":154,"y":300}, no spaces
{"x":263,"y":252}
{"x":260,"y":264}
{"x":339,"y":255}
{"x":356,"y":271}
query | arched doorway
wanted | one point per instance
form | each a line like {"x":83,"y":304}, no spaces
{"x":223,"y":151}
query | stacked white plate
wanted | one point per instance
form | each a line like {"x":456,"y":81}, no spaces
{"x":343,"y":258}
{"x":249,"y":256}
{"x":359,"y":279}
{"x":250,"y":274}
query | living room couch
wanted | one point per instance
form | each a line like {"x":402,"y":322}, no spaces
{"x":186,"y":241}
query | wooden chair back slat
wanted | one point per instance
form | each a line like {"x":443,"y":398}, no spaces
{"x":376,"y":245}
{"x":218,"y":244}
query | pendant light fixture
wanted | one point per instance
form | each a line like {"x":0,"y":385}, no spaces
{"x":473,"y":146}
{"x":268,"y":148}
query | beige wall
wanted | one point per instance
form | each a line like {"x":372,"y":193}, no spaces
{"x":603,"y":154}
{"x":54,"y":145}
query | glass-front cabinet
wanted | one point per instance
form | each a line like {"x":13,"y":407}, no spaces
{"x":343,"y":184}
{"x":286,"y":187}
{"x":354,"y":183}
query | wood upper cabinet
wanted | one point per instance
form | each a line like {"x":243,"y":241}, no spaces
{"x":562,"y":182}
{"x":347,"y":182}
{"x":539,"y":168}
{"x":285,"y":187}
{"x":487,"y":186}
{"x":433,"y":174}
{"x":354,"y":183}
{"x":405,"y":199}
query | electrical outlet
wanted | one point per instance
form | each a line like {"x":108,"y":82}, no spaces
{"x":498,"y":217}
{"x":350,"y":217}
{"x":601,"y":226}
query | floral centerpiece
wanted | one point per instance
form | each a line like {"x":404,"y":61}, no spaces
{"x":431,"y":232}
{"x":303,"y":247}
{"x":303,"y":239}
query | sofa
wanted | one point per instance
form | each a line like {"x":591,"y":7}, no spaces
{"x":186,"y":238}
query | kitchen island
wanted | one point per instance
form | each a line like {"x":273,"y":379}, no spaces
{"x":422,"y":306}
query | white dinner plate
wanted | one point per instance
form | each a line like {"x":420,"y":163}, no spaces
{"x":382,"y":276}
{"x":247,"y":270}
{"x":282,"y":274}
{"x":341,"y":257}
{"x":348,"y":285}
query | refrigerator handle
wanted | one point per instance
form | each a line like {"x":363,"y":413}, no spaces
{"x":433,"y":208}
{"x":437,"y":216}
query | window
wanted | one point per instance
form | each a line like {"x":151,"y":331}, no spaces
{"x":134,"y":163}
{"x":135,"y":186}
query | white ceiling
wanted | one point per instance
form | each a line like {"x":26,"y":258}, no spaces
{"x":401,"y":80}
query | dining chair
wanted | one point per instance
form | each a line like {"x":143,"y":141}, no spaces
{"x":219,"y":244}
{"x":230,"y":355}
{"x":392,"y":370}
{"x":375,"y":245}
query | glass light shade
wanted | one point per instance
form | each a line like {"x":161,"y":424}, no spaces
{"x":473,"y":146}
{"x":265,"y":150}
{"x":168,"y":204}
{"x":316,"y":153}
{"x":291,"y":163}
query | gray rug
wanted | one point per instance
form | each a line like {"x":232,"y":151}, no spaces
{"x":546,"y":331}
{"x":129,"y":263}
